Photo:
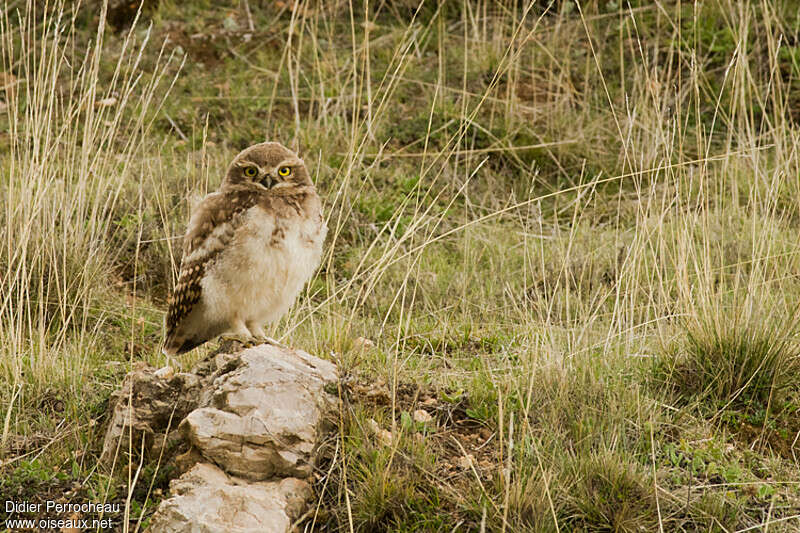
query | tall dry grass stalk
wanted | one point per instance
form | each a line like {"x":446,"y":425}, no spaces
{"x":75,"y":136}
{"x":695,"y":230}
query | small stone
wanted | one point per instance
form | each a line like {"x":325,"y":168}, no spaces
{"x":230,"y":24}
{"x":422,"y":416}
{"x":73,"y":519}
{"x":7,"y":80}
{"x":384,"y":436}
{"x":107,"y":102}
{"x":373,"y":426}
{"x":363,"y":343}
{"x":429,"y":402}
{"x":376,"y":392}
{"x":465,"y":462}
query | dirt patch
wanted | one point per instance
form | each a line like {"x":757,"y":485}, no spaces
{"x":413,"y":451}
{"x":783,"y":438}
{"x":462,"y":445}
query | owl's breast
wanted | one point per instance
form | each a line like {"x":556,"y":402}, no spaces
{"x":270,"y":258}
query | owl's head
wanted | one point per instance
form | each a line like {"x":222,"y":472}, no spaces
{"x":270,"y":165}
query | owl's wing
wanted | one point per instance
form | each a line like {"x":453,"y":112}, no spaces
{"x":211,"y":228}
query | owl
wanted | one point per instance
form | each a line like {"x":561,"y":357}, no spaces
{"x":248,"y":250}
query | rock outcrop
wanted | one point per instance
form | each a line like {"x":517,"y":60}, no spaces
{"x":251,"y":424}
{"x":264,"y":419}
{"x":150,"y":407}
{"x":207,"y":499}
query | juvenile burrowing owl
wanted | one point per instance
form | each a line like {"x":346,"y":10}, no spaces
{"x":249,"y":249}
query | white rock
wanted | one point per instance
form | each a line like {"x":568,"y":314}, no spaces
{"x":422,"y":416}
{"x":107,"y":102}
{"x":466,"y":461}
{"x":148,"y":406}
{"x":384,"y":436}
{"x":207,"y":500}
{"x":363,"y":343}
{"x":253,"y":422}
{"x":265,"y":417}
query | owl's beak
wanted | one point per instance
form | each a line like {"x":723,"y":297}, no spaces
{"x":267,"y":181}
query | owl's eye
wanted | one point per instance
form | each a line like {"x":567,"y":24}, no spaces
{"x":284,"y":171}
{"x":250,"y":172}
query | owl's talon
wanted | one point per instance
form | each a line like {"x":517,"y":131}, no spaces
{"x":240,"y":342}
{"x":263,"y":339}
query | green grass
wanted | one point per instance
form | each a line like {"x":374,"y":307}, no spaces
{"x":737,"y":361}
{"x":570,"y":232}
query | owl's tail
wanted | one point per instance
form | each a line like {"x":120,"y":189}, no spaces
{"x":176,"y":344}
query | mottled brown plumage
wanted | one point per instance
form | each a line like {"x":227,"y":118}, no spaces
{"x":216,"y":210}
{"x":248,"y":249}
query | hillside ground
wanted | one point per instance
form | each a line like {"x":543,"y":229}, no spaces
{"x":568,"y":232}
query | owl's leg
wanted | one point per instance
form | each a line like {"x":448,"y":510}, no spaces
{"x":256,"y":330}
{"x":258,"y":333}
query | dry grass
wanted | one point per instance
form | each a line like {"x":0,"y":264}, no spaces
{"x":572,"y":228}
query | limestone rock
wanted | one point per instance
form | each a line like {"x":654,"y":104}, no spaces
{"x":384,"y":436}
{"x":363,"y":343}
{"x":422,"y":416}
{"x":206,"y":500}
{"x":263,"y":414}
{"x":252,"y":424}
{"x":148,"y":405}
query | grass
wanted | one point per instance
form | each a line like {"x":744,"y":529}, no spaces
{"x":569,"y":229}
{"x":734,"y":360}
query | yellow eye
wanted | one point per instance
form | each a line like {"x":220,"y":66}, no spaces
{"x":284,"y":171}
{"x":250,"y":172}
